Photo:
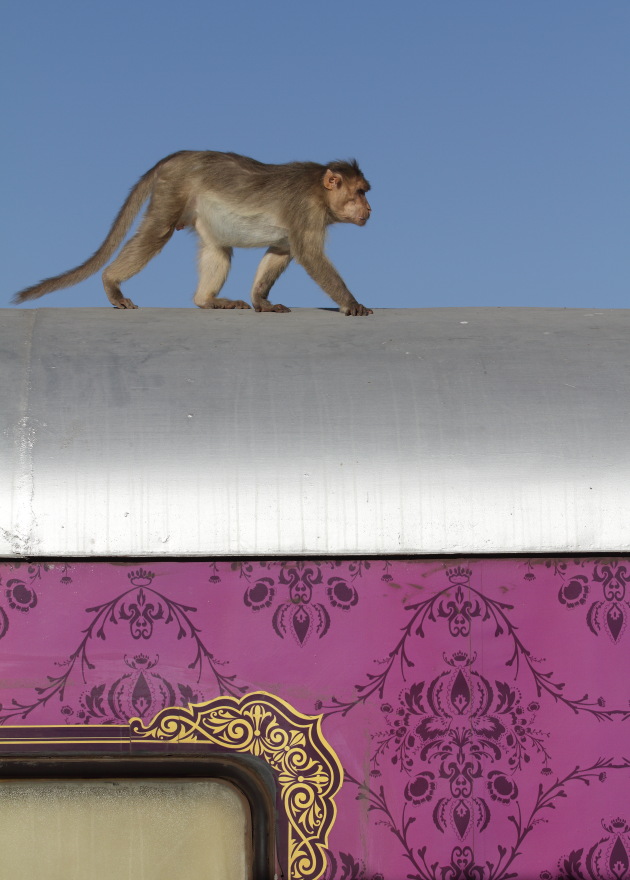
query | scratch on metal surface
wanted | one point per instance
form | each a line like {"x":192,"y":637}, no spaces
{"x":13,"y":540}
{"x":24,"y":433}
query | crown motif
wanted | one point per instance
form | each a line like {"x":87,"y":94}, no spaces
{"x":459,"y":574}
{"x":141,"y":661}
{"x":140,"y":578}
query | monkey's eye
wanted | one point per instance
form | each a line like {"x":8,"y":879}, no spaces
{"x":360,"y":192}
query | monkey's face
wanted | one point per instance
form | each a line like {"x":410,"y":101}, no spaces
{"x":347,"y":199}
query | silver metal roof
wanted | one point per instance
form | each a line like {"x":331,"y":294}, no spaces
{"x":183,"y":432}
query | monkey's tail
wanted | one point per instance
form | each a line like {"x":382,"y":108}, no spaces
{"x":118,"y":230}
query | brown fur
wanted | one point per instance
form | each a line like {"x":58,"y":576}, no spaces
{"x":231,"y":201}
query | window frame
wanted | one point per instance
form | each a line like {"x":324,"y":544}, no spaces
{"x":253,"y":779}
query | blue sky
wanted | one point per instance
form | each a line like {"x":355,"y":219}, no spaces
{"x":495,"y":133}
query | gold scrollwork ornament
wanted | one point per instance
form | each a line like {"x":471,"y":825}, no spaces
{"x":307,"y":769}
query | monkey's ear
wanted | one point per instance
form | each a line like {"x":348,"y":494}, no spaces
{"x":332,"y":180}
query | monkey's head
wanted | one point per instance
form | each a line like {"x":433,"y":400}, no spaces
{"x":346,"y":189}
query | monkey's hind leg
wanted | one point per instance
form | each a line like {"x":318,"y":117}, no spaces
{"x":269,"y":270}
{"x":214,"y":266}
{"x":145,"y":244}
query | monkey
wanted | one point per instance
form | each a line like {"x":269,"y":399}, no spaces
{"x":230,"y":201}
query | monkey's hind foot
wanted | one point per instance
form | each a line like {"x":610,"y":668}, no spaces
{"x":236,"y":304}
{"x":223,"y":303}
{"x":268,"y":307}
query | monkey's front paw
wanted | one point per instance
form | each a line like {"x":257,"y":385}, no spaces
{"x":125,"y":303}
{"x":238,"y":304}
{"x":357,"y":309}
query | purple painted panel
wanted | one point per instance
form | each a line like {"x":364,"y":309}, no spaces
{"x":480,"y":708}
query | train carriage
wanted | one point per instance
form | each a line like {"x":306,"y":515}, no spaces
{"x":309,"y":597}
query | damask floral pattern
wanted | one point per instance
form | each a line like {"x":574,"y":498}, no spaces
{"x":19,"y":596}
{"x":301,"y":616}
{"x":141,"y":692}
{"x":480,"y":707}
{"x":607,"y":857}
{"x":610,"y":613}
{"x":462,"y":725}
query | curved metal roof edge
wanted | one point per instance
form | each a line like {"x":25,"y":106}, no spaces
{"x":413,"y":432}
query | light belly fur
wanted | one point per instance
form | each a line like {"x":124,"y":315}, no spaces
{"x":231,"y":229}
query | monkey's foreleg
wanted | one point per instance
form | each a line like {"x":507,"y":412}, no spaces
{"x":269,"y":270}
{"x":324,"y":273}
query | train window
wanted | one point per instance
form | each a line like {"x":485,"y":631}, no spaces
{"x":124,"y":829}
